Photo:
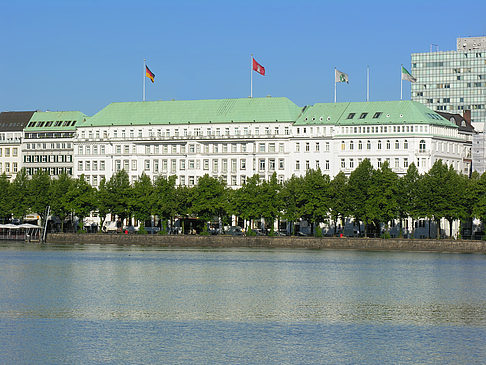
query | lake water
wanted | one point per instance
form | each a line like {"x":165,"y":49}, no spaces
{"x":109,"y":304}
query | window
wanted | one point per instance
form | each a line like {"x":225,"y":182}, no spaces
{"x":307,"y":165}
{"x":182,"y":164}
{"x":351,"y":145}
{"x":351,"y":163}
{"x":261,"y":164}
{"x":388,"y":144}
{"x":360,"y":145}
{"x":405,"y":162}
{"x":307,"y":147}
{"x":297,"y":147}
{"x":343,"y":146}
{"x":379,"y":162}
{"x":317,"y":147}
{"x":297,"y":165}
{"x":327,"y":165}
{"x":281,"y":163}
{"x":397,"y":144}
{"x":102,"y":165}
{"x":422,"y":146}
{"x":343,"y":163}
{"x":80,"y":165}
{"x":363,"y":115}
{"x":368,"y":145}
{"x":242,"y":164}
{"x":327,"y":146}
{"x":377,"y":115}
{"x":405,"y":145}
{"x":351,"y":115}
{"x":379,"y":144}
{"x":397,"y":163}
{"x":271,"y":164}
{"x":206,"y":164}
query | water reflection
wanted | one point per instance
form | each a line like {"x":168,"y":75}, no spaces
{"x":123,"y":283}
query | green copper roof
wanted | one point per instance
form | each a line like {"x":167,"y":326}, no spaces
{"x":381,"y":112}
{"x":55,"y":121}
{"x":197,"y":111}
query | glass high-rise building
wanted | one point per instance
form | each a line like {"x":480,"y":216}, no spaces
{"x":453,"y":81}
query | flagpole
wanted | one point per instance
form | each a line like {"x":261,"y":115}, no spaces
{"x":144,"y":71}
{"x":251,"y":76}
{"x":334,"y":84}
{"x":367,"y":83}
{"x":401,"y":83}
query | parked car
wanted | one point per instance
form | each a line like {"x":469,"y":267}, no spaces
{"x":234,"y":231}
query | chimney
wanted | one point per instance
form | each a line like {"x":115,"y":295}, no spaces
{"x":467,"y":115}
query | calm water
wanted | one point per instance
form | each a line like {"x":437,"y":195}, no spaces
{"x":100,"y":304}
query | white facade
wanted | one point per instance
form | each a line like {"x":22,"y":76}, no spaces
{"x":237,"y":151}
{"x":10,"y":156}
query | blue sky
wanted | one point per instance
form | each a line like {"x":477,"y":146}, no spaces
{"x":83,"y":55}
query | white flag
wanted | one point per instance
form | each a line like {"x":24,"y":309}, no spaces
{"x":407,"y":75}
{"x":340,"y":76}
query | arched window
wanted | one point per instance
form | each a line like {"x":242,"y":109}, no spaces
{"x":422,"y":146}
{"x":405,"y":145}
{"x":379,"y":144}
{"x":388,"y":144}
{"x":368,"y":145}
{"x":397,"y":144}
{"x":360,"y":145}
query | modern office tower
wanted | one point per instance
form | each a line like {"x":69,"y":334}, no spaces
{"x":11,"y":126}
{"x":48,"y":142}
{"x":453,"y":81}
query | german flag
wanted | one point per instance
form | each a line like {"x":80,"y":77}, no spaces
{"x":149,"y":74}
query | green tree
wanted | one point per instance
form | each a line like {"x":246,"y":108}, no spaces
{"x":358,"y":193}
{"x":290,"y":197}
{"x":245,"y":200}
{"x":337,"y":199}
{"x":479,"y":194}
{"x":314,"y":199}
{"x":165,"y":198}
{"x":270,"y":203}
{"x":209,"y":198}
{"x":119,"y":192}
{"x":102,"y":201}
{"x":38,"y":193}
{"x":19,"y":192}
{"x":142,"y":199}
{"x":59,"y":191}
{"x":6,"y":202}
{"x":81,"y":198}
{"x":383,"y":196}
{"x":408,"y":196}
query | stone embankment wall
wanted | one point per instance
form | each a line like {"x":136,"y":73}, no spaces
{"x":371,"y":244}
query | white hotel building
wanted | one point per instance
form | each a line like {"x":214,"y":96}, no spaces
{"x":237,"y":138}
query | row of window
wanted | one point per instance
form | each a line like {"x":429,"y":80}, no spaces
{"x":388,"y":129}
{"x":387,"y":144}
{"x":185,"y":132}
{"x":7,"y":152}
{"x":53,"y":171}
{"x":57,"y":123}
{"x":7,"y":170}
{"x":43,"y":135}
{"x":52,"y":146}
{"x":47,"y":158}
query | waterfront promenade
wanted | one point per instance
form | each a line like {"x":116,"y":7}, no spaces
{"x":369,"y":244}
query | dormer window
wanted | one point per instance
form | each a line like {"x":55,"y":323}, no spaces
{"x":377,"y":115}
{"x":351,"y":115}
{"x":363,"y":115}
